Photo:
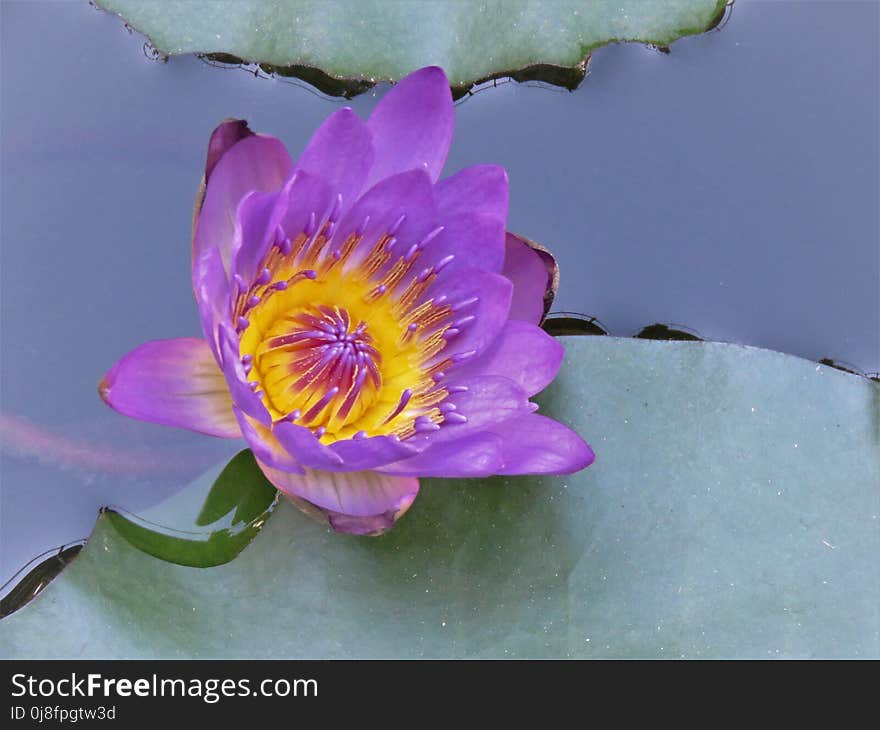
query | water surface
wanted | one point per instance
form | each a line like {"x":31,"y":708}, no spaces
{"x":730,"y":186}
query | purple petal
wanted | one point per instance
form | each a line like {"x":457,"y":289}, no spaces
{"x":476,"y":241}
{"x":535,"y":444}
{"x":488,"y":401}
{"x":522,"y":352}
{"x":531,"y":278}
{"x":255,"y":163}
{"x":369,"y":526}
{"x":341,"y":153}
{"x":366,"y":526}
{"x":227,"y":134}
{"x":236,"y":377}
{"x":267,"y":449}
{"x":472,"y":206}
{"x":354,"y":493}
{"x":305,"y":446}
{"x":305,"y":196}
{"x":256,"y":221}
{"x":479,"y":189}
{"x":478,"y":455}
{"x":369,"y":453}
{"x":492,"y":293}
{"x":412,"y":126}
{"x":172,"y":382}
{"x":344,"y":455}
{"x":403,"y":203}
{"x":212,"y":295}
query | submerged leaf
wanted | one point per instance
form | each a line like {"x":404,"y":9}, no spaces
{"x":732,"y":512}
{"x":344,"y":46}
{"x":234,"y":510}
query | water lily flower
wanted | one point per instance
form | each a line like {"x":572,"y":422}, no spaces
{"x":366,"y":323}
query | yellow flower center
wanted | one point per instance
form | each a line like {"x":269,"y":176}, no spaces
{"x":341,"y":345}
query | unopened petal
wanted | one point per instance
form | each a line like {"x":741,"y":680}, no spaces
{"x":227,"y":134}
{"x":533,"y":275}
{"x":256,"y":163}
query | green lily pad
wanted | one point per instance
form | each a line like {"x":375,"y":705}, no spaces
{"x":209,"y":522}
{"x":345,"y":46}
{"x":733,"y":511}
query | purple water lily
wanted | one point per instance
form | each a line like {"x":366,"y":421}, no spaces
{"x":365,"y":323}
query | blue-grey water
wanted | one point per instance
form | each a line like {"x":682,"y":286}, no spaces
{"x":731,"y":186}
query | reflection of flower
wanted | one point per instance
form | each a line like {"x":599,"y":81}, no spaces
{"x":371,"y":324}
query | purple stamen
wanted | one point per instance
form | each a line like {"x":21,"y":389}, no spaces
{"x":397,"y":224}
{"x":243,"y":323}
{"x":362,"y":228}
{"x":444,"y":262}
{"x":239,"y":283}
{"x":431,"y":236}
{"x":423,"y":424}
{"x":320,"y":431}
{"x":311,"y":226}
{"x":465,"y":303}
{"x":360,"y":435}
{"x":316,"y":409}
{"x":446,"y":407}
{"x":453,"y":417}
{"x":462,"y":356}
{"x":401,"y":404}
{"x":247,"y":359}
{"x":264,"y":278}
{"x":337,"y":208}
{"x":438,"y":376}
{"x":355,"y":391}
{"x":457,"y":389}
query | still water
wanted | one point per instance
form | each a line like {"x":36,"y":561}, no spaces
{"x":730,"y":187}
